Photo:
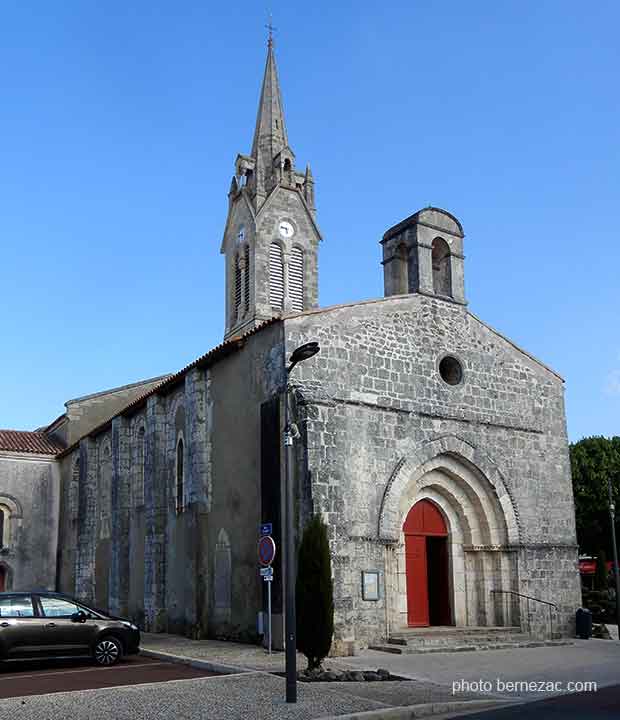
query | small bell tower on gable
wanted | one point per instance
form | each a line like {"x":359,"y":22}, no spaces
{"x":424,"y":254}
{"x":271,"y":237}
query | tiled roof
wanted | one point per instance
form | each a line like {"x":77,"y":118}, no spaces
{"x":29,"y":442}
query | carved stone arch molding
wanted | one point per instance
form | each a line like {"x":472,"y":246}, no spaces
{"x":12,"y":521}
{"x":13,"y":504}
{"x":447,"y":453}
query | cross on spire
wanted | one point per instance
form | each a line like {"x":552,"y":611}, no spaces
{"x":271,"y":29}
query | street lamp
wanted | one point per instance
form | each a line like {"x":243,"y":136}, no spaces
{"x":303,"y":352}
{"x":612,"y":512}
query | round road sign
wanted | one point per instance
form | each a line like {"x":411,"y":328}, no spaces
{"x":266,"y":550}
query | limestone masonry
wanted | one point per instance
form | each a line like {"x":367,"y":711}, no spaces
{"x":434,"y":448}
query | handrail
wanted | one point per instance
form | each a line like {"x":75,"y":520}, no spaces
{"x":529,"y":597}
{"x":538,"y":600}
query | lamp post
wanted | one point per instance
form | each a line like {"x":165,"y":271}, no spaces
{"x":612,"y":513}
{"x":303,"y":352}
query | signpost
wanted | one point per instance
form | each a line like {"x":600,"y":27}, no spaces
{"x":266,"y":555}
{"x":266,"y":550}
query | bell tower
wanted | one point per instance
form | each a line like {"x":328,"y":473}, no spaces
{"x":271,"y":237}
{"x":424,"y":254}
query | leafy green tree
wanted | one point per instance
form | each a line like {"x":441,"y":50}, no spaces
{"x":593,"y":461}
{"x":600,"y":576}
{"x":314,"y":594}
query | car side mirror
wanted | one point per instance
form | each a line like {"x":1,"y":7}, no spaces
{"x":79,"y":616}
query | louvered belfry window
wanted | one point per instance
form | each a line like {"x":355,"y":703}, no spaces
{"x":237,"y":286}
{"x":276,"y":277}
{"x":296,"y":279}
{"x":246,"y":299}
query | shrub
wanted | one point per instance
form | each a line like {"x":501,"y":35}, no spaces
{"x":314,"y":594}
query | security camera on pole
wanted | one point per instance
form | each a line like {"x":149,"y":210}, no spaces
{"x":303,"y":352}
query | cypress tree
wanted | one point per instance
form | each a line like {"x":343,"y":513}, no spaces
{"x":314,"y":594}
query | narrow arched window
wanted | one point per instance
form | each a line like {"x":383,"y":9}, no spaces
{"x":247,"y":277}
{"x":180,"y":483}
{"x":276,"y":277}
{"x":442,"y":279}
{"x":223,"y":576}
{"x":296,"y":279}
{"x":2,"y":521}
{"x":237,"y":286}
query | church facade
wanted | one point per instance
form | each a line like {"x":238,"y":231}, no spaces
{"x":434,"y":448}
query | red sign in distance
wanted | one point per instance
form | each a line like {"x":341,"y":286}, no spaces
{"x":266,"y":550}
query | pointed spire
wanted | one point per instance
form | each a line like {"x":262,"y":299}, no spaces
{"x":270,"y":133}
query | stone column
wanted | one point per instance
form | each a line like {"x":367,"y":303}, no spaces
{"x":87,"y":522}
{"x":197,"y":478}
{"x":425,"y":267}
{"x":457,"y":271}
{"x":121,"y":503}
{"x":155,"y":506}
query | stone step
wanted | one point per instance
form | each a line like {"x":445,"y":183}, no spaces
{"x":478,"y":639}
{"x":451,"y":630}
{"x":451,"y":648}
{"x":456,"y":636}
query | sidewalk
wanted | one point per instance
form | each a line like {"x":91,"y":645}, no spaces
{"x":594,"y":661}
{"x":236,"y":657}
{"x":316,"y":700}
{"x":429,"y":678}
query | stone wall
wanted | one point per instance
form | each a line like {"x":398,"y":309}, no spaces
{"x":29,"y":490}
{"x":128,"y":547}
{"x":377,"y":399}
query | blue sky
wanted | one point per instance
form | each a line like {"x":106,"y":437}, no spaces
{"x":119,"y":127}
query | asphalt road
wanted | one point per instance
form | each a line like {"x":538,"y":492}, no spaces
{"x":39,"y":678}
{"x":601,"y":705}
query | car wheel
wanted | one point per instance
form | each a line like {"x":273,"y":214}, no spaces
{"x":108,"y":651}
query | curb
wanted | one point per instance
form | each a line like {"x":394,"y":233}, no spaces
{"x":423,"y":710}
{"x":195,"y":663}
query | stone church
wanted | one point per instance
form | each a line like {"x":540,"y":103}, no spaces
{"x":434,"y":448}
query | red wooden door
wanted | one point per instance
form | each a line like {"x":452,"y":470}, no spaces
{"x":423,"y":520}
{"x":417,"y":585}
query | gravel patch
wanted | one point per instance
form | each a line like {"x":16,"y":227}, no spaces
{"x":252,"y":696}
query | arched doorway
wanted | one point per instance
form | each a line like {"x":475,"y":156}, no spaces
{"x":3,"y":582}
{"x":427,"y":566}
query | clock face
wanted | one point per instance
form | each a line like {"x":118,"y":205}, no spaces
{"x":241,"y":235}
{"x":286,"y":229}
